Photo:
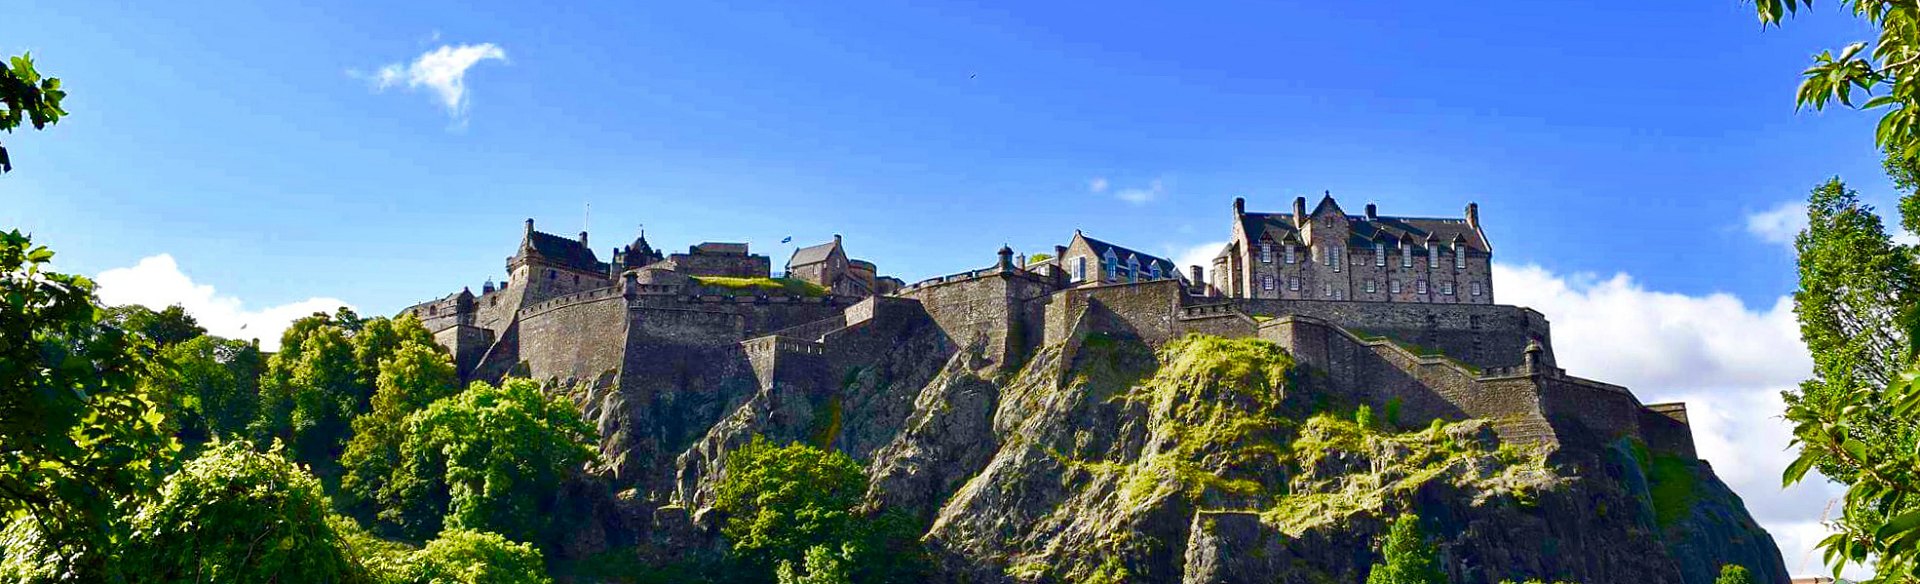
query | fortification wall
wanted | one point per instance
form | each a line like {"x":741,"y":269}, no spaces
{"x":988,"y":311}
{"x":1485,"y":336}
{"x":716,"y":264}
{"x":585,"y":340}
{"x":467,"y":343}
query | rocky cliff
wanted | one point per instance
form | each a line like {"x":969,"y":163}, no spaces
{"x":1203,"y":461}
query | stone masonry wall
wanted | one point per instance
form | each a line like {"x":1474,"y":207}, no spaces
{"x":1485,"y":336}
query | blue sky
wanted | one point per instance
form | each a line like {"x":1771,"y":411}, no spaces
{"x":252,"y":145}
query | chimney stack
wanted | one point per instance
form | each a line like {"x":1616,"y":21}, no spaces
{"x":1239,"y":206}
{"x":529,"y":226}
{"x":1006,"y":257}
{"x":1473,"y":215}
{"x":583,"y":239}
{"x":1299,"y":211}
{"x":836,"y":239}
{"x":1373,"y":212}
{"x":1197,"y":280}
{"x":1060,"y":255}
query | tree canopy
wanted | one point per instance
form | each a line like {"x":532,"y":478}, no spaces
{"x":29,"y":98}
{"x":1406,"y":557}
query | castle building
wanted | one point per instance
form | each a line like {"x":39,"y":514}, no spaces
{"x":827,"y":264}
{"x":1327,"y":254}
{"x":1088,"y":261}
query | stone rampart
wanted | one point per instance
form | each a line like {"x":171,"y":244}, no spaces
{"x":1483,"y":335}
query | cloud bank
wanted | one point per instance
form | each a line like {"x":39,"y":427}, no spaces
{"x":442,"y":71}
{"x":1780,"y":224}
{"x":156,"y":282}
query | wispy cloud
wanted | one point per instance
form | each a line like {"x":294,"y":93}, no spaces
{"x":442,"y":71}
{"x":156,"y":282}
{"x":1138,"y":195}
{"x":1779,"y":224}
{"x":1198,"y":255}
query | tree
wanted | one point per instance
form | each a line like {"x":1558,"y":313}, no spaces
{"x":78,"y":435}
{"x":167,"y":327}
{"x":236,"y":515}
{"x":465,"y":556}
{"x":1407,"y":557}
{"x":824,"y":565}
{"x":208,"y":386}
{"x":782,"y":500}
{"x":1734,"y":574}
{"x":323,"y":377}
{"x":490,"y":458}
{"x":1855,"y":307}
{"x":29,"y":98}
{"x":416,"y":376}
{"x":1889,"y":70}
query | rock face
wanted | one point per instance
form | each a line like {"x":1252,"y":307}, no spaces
{"x":1204,"y":461}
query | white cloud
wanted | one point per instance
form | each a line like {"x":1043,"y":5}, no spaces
{"x":1726,"y":360}
{"x":156,"y":282}
{"x":1780,"y":224}
{"x":1097,"y":185}
{"x":1138,"y":195}
{"x":1198,"y":255}
{"x":442,"y":70}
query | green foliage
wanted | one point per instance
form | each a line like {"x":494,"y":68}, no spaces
{"x":78,"y":434}
{"x":1734,"y":574}
{"x":28,"y":98}
{"x":464,"y":556}
{"x":490,"y":458}
{"x":323,"y":377}
{"x":824,"y":565}
{"x":236,"y":515}
{"x":1675,"y":485}
{"x":782,"y":500}
{"x":788,"y":286}
{"x":416,"y":375}
{"x":1854,"y":421}
{"x":1888,"y":70}
{"x":165,"y":328}
{"x":208,"y":386}
{"x":1406,"y":556}
{"x":1039,"y":257}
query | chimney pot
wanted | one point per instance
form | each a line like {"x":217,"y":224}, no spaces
{"x":529,"y":226}
{"x":1239,"y":206}
{"x":1373,"y":212}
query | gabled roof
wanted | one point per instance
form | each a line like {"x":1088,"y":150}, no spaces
{"x":565,"y":251}
{"x":813,"y":254}
{"x":1279,"y":226}
{"x":1146,"y":260}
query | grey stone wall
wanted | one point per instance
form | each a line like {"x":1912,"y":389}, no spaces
{"x":1485,"y":336}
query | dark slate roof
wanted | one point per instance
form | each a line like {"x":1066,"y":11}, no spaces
{"x":565,"y":251}
{"x":1279,"y":227}
{"x":812,"y":254}
{"x":1100,"y":248}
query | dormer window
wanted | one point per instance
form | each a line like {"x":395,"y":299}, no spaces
{"x":1290,"y":257}
{"x":1266,"y":252}
{"x":1406,"y":255}
{"x":1379,"y":254}
{"x":1133,"y":269}
{"x":1433,"y":256}
{"x":1155,"y":271}
{"x":1459,"y":257}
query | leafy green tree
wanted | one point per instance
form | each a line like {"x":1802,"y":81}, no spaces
{"x":490,"y":458}
{"x":1734,"y":574}
{"x":379,"y":339}
{"x":782,"y":500}
{"x":78,"y":435}
{"x":1854,"y":420}
{"x":209,"y":387}
{"x":465,"y":556}
{"x":167,"y":327}
{"x":323,"y":377}
{"x":236,"y":515}
{"x":416,"y":376}
{"x":1407,"y":557}
{"x":29,"y":98}
{"x":824,"y":565}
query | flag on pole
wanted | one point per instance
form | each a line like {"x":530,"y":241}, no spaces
{"x":788,"y":239}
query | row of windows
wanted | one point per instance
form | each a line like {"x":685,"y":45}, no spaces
{"x":1379,"y":255}
{"x":1369,"y":286}
{"x":1112,"y":268}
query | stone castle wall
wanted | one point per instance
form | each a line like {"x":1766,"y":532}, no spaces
{"x":1485,"y":336}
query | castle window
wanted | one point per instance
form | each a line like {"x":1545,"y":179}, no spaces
{"x":576,"y":279}
{"x":1333,"y":258}
{"x":1394,"y":286}
{"x":1379,"y":254}
{"x":1475,"y":287}
{"x":1290,"y":256}
{"x":1406,"y":255}
{"x":1293,"y":283}
{"x":1433,"y":256}
{"x":1266,"y":282}
{"x":1266,"y":252}
{"x":1459,"y":257}
{"x":553,"y":275}
{"x":1420,"y":287}
{"x":1446,"y":288}
{"x":1326,"y":289}
{"x":1079,"y":268}
{"x":1368,"y":286}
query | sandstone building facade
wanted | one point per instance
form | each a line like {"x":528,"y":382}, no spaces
{"x":1326,"y":254}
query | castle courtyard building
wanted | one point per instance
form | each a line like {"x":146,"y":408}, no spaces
{"x":1326,"y":254}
